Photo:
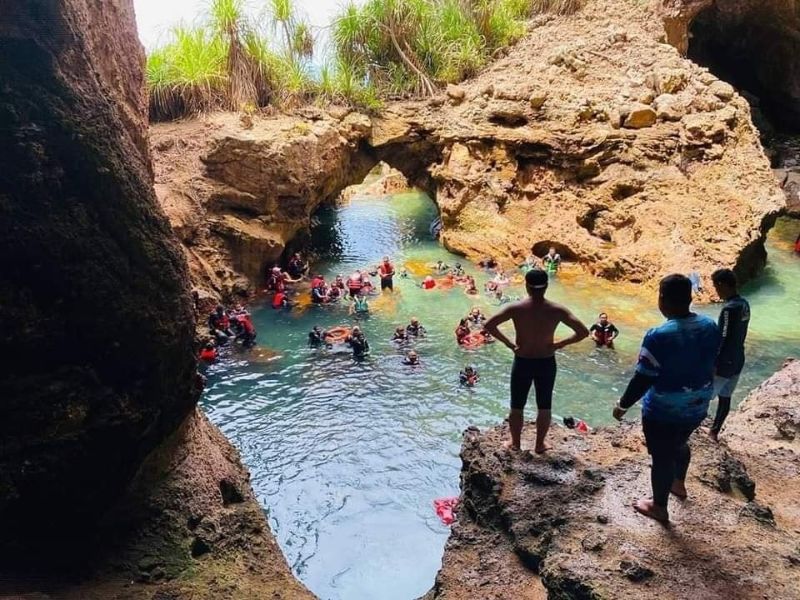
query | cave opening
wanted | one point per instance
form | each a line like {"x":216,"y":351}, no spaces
{"x":758,"y":52}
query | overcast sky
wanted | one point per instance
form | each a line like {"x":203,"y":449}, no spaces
{"x":156,"y":17}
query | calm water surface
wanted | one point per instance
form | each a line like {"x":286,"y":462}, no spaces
{"x":347,"y":457}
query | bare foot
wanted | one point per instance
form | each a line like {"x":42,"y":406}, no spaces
{"x":648,"y":508}
{"x":679,"y":490}
{"x":713,"y":435}
{"x":510,"y":446}
{"x":543,"y":448}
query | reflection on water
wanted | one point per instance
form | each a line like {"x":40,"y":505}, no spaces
{"x":347,"y":457}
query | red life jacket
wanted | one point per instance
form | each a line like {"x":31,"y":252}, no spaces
{"x":224,"y":322}
{"x":277,"y":300}
{"x":206,"y":354}
{"x":355,"y":282}
{"x":797,"y":246}
{"x":247,"y":324}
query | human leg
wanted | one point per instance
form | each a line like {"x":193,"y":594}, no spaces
{"x":544,"y":381}
{"x":724,"y":388}
{"x":661,"y":445}
{"x":521,"y":381}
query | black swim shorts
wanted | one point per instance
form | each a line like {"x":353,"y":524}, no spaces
{"x":541,"y":372}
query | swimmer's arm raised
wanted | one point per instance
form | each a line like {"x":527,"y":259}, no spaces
{"x":577,"y":326}
{"x":492,"y":324}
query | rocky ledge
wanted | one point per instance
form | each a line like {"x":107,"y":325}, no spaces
{"x":560,"y":526}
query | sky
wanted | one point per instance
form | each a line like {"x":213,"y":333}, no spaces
{"x":156,"y":17}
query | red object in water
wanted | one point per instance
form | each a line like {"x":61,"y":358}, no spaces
{"x":444,"y":509}
{"x":582,"y":427}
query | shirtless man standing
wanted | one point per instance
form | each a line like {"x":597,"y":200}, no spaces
{"x":535,"y":321}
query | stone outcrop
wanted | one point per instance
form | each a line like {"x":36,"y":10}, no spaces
{"x":108,"y":476}
{"x":238,"y":195}
{"x":631,"y":160}
{"x":561,"y":525}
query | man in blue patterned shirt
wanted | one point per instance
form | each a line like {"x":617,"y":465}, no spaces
{"x":675,"y":380}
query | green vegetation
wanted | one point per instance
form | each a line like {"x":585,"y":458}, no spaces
{"x":231,"y":61}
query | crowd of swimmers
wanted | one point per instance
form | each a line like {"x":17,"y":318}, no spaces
{"x":226,"y":327}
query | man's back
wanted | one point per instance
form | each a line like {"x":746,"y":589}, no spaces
{"x":734,"y":320}
{"x":535,"y":322}
{"x":680,"y":354}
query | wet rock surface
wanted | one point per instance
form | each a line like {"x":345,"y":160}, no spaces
{"x":564,"y":522}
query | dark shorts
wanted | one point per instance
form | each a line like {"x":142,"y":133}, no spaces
{"x":541,"y":373}
{"x":666,"y":438}
{"x":386,"y":284}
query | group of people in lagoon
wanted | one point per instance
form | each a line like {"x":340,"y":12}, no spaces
{"x":683,"y":363}
{"x":227,"y":326}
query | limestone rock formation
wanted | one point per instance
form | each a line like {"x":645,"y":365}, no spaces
{"x":108,"y":476}
{"x":638,"y":163}
{"x":237,"y":196}
{"x":562,"y":523}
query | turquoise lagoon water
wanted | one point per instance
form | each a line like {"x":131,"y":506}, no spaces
{"x":348,"y":456}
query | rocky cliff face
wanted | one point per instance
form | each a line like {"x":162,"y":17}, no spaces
{"x":106,"y":471}
{"x":237,"y":193}
{"x":597,"y":137}
{"x":561,"y":526}
{"x":593,"y":135}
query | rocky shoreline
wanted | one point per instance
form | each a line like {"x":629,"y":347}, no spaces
{"x":561,"y":526}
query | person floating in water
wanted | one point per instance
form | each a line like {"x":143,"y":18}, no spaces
{"x":734,"y":320}
{"x":440,"y":267}
{"x":471,"y":289}
{"x":317,"y":337}
{"x":386,"y":273}
{"x":400,"y":336}
{"x":462,"y":331}
{"x":319,"y":290}
{"x":458,"y":270}
{"x":674,"y":378}
{"x":535,"y":321}
{"x":411,"y":358}
{"x":552,"y":261}
{"x":531,"y":262}
{"x":415,"y":329}
{"x":280,"y":300}
{"x":297,"y":267}
{"x":360,"y":306}
{"x":500,"y":278}
{"x":358,"y":342}
{"x":488,"y":263}
{"x":246,"y":331}
{"x":604,"y":332}
{"x":475,"y":316}
{"x":500,"y":297}
{"x":428,"y":283}
{"x":469,"y":376}
{"x":208,"y":353}
{"x":354,"y":283}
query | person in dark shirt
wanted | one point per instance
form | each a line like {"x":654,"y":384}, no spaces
{"x":358,"y":343}
{"x":415,"y":329}
{"x":604,"y":332}
{"x":733,"y":322}
{"x":674,"y":376}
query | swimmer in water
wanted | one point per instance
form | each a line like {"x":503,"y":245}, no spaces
{"x":360,"y":306}
{"x":500,"y":297}
{"x":552,"y":261}
{"x":440,"y":267}
{"x":462,"y":331}
{"x":358,"y":342}
{"x":471,"y":289}
{"x":604,"y":332}
{"x":316,"y":337}
{"x":412,"y":358}
{"x":428,"y":283}
{"x":208,"y":353}
{"x":415,"y":329}
{"x":469,"y":376}
{"x":458,"y":270}
{"x":476,"y":317}
{"x":400,"y":336}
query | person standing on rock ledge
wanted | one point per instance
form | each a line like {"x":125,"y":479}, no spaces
{"x":535,"y":321}
{"x":733,"y":322}
{"x":675,"y":376}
